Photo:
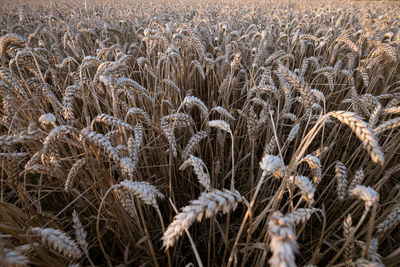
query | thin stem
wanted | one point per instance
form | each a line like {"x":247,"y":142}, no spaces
{"x":370,"y":229}
{"x":246,"y":216}
{"x":163,"y":230}
{"x":351,"y":235}
{"x":196,"y":253}
{"x":153,"y":255}
{"x":98,"y":224}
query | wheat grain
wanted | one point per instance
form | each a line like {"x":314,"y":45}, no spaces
{"x":363,"y":132}
{"x":143,"y":190}
{"x":341,"y":178}
{"x":191,"y":101}
{"x":57,"y":240}
{"x":198,"y":165}
{"x":271,"y":164}
{"x":392,"y":219}
{"x":112,"y":121}
{"x":300,"y":215}
{"x":387,"y":125}
{"x":283,"y":241}
{"x":207,"y":205}
{"x":357,"y":180}
{"x":11,"y":257}
{"x":305,"y":185}
{"x":367,"y":194}
{"x":315,"y":165}
{"x":223,"y":111}
{"x":80,"y":232}
{"x":73,"y":173}
{"x":194,"y":141}
{"x":347,"y":230}
{"x":220,"y":124}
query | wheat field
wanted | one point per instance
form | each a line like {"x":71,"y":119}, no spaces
{"x":200,"y":133}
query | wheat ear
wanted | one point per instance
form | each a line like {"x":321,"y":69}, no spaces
{"x":392,"y":219}
{"x":283,"y":241}
{"x":198,"y":168}
{"x":58,"y":240}
{"x":341,"y":178}
{"x":207,"y":205}
{"x":143,"y":190}
{"x":362,"y":131}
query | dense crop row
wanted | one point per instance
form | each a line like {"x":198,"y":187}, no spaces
{"x":257,"y":133}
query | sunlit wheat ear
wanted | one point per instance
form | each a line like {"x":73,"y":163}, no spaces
{"x":73,"y":172}
{"x":127,"y":166}
{"x":392,"y":219}
{"x":392,"y":110}
{"x":341,"y":179}
{"x":22,"y":137}
{"x":274,"y":165}
{"x":9,"y":39}
{"x":133,"y":149}
{"x":357,"y":180}
{"x":57,"y":240}
{"x":177,"y":120}
{"x":65,"y":62}
{"x":300,"y":85}
{"x":207,"y":205}
{"x":367,"y":263}
{"x":198,"y":168}
{"x":11,"y":257}
{"x":305,"y":185}
{"x":123,"y":81}
{"x":223,"y":112}
{"x":169,"y":134}
{"x":270,"y":146}
{"x":387,"y":125}
{"x":367,"y":194}
{"x":103,"y":143}
{"x":315,"y":164}
{"x":48,"y":120}
{"x":80,"y":232}
{"x":193,"y":142}
{"x":140,"y":112}
{"x":191,"y":101}
{"x":70,"y":94}
{"x":52,"y":137}
{"x":373,"y":254}
{"x":252,"y":121}
{"x":199,"y":67}
{"x":274,"y":56}
{"x":14,"y":85}
{"x":347,"y":229}
{"x":283,"y":241}
{"x":128,"y":203}
{"x":293,"y":133}
{"x":374,"y":116}
{"x":300,"y":215}
{"x":362,"y":131}
{"x":172,"y":84}
{"x":143,"y":190}
{"x":220,"y":124}
{"x":111,"y":121}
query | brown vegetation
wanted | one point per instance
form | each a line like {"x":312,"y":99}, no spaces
{"x":212,"y":134}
